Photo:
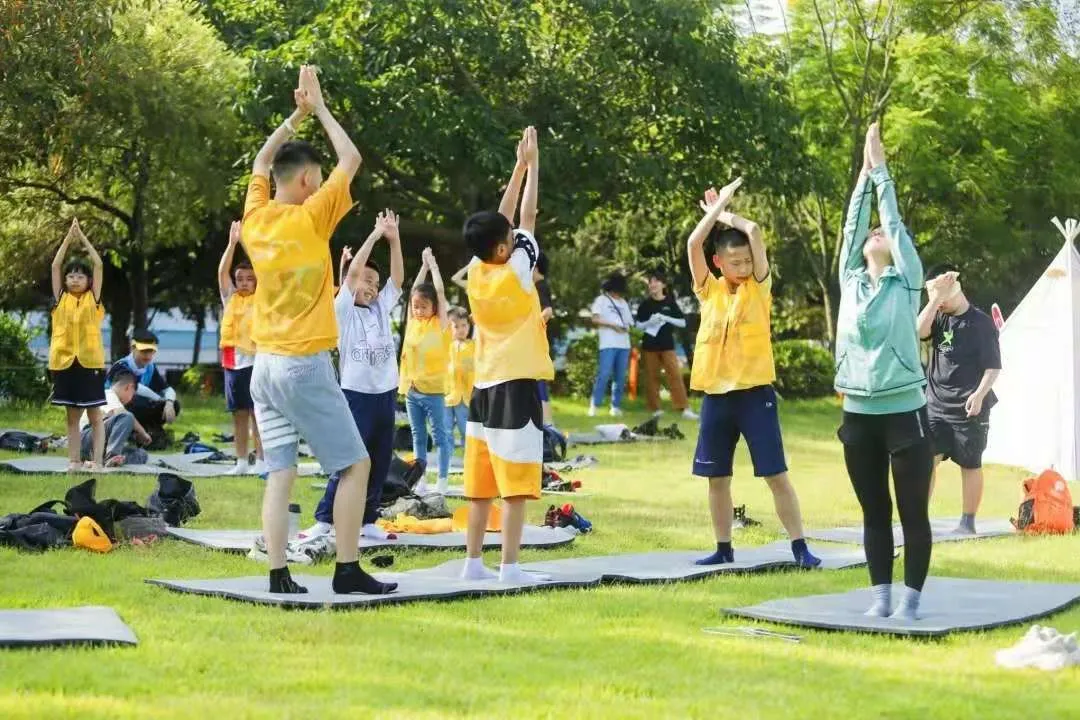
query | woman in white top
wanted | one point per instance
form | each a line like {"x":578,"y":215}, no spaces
{"x":612,"y":316}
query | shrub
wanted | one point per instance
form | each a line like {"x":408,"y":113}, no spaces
{"x":23,"y":377}
{"x":581,"y":364}
{"x":203,"y":380}
{"x":804,"y":369}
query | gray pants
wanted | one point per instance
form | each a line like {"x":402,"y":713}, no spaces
{"x":118,"y":430}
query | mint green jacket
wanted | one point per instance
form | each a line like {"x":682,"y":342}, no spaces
{"x":877,"y":337}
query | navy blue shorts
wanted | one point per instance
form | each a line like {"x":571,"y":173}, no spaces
{"x":543,"y":387}
{"x":751,"y":413}
{"x":238,"y":389}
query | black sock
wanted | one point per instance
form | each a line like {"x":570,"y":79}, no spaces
{"x":724,"y":554}
{"x":281,"y":582}
{"x":349,"y":578}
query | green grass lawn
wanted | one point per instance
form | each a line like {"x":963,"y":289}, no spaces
{"x":615,"y":651}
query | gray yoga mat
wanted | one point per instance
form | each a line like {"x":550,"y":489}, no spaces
{"x":412,"y":586}
{"x":595,"y":438}
{"x":91,"y":625}
{"x":239,"y":541}
{"x":56,"y":464}
{"x":942,"y":529}
{"x":948,"y":605}
{"x":458,"y":491}
{"x":571,"y":464}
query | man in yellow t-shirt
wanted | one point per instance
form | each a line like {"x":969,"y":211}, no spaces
{"x":293,"y":385}
{"x":504,"y":440}
{"x":733,"y":366}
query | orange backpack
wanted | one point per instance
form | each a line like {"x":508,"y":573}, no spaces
{"x":1047,"y":507}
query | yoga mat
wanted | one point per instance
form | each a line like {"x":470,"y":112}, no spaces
{"x":948,"y":605}
{"x":240,"y":541}
{"x":55,"y":464}
{"x":942,"y":529}
{"x":91,"y":625}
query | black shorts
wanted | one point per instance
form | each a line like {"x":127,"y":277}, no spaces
{"x":79,"y":387}
{"x":888,"y":433}
{"x":961,"y":441}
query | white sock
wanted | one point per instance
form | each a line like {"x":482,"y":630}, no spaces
{"x":512,"y":573}
{"x":442,"y":485}
{"x":475,"y":569}
{"x":374,"y":532}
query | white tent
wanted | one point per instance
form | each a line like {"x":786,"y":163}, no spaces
{"x":1036,"y":421}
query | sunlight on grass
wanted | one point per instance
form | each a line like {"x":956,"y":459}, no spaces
{"x":614,"y":651}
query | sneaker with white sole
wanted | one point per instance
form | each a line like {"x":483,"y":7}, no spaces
{"x":319,"y":529}
{"x":1059,"y":653}
{"x":689,"y":414}
{"x":592,"y":411}
{"x":258,"y":552}
{"x":259,"y":468}
{"x":615,"y":412}
{"x":657,"y":414}
{"x":1034,"y":643}
{"x":241,"y":468}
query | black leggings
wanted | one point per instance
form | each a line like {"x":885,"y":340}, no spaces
{"x":871,"y":444}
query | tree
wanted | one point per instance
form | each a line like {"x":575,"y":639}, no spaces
{"x":140,"y":138}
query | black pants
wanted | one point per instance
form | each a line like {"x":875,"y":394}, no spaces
{"x":151,"y":415}
{"x":873,"y":443}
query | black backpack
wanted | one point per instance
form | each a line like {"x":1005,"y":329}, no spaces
{"x":20,"y":441}
{"x":554,"y":445}
{"x":401,"y":479}
{"x":174,"y":500}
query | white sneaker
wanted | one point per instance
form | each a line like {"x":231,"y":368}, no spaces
{"x":1024,"y":653}
{"x":319,"y":529}
{"x":689,"y":414}
{"x":1060,"y":652}
{"x":241,"y":468}
{"x":258,"y":552}
{"x":615,"y":412}
{"x":259,"y":468}
{"x":420,"y":489}
{"x":592,"y":411}
{"x":442,"y":486}
{"x":658,"y":414}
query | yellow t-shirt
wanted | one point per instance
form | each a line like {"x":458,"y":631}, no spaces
{"x":734,"y":342}
{"x":76,"y":332}
{"x":425,"y":357}
{"x":236,"y":321}
{"x":289,"y":247}
{"x":462,"y":355}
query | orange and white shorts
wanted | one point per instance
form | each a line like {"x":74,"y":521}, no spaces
{"x":504,"y":441}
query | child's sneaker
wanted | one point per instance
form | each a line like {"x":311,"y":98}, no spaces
{"x":592,"y":411}
{"x":241,"y":468}
{"x":1027,"y":651}
{"x":689,"y":414}
{"x":615,"y":412}
{"x":569,"y":516}
{"x":551,"y":517}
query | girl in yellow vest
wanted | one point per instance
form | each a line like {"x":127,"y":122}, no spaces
{"x":238,"y":351}
{"x":462,"y":352}
{"x":425,"y":363}
{"x":76,"y":353}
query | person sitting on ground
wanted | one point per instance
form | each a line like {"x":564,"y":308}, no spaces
{"x":76,"y":353}
{"x":155,"y":404}
{"x":658,"y":315}
{"x":369,"y":373}
{"x":120,"y":426}
{"x":237,"y":289}
{"x":965,"y":360}
{"x":733,"y":366}
{"x":613,"y":318}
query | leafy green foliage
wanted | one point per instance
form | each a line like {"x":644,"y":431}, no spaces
{"x":23,"y":377}
{"x":804,"y":369}
{"x":582,"y":361}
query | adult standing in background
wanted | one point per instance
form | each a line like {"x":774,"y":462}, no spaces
{"x":658,"y":315}
{"x":613,"y":319}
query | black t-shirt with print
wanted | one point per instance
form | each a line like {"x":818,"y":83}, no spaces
{"x":963,"y":347}
{"x":665,"y":337}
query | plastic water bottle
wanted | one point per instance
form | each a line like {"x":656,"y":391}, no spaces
{"x":294,"y":520}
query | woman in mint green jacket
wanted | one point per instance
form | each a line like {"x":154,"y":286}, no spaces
{"x":879,"y":373}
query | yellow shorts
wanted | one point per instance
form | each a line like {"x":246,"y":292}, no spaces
{"x":504,"y":441}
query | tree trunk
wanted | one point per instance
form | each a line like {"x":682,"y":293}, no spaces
{"x":119,"y":306}
{"x":140,"y":292}
{"x":200,"y":325}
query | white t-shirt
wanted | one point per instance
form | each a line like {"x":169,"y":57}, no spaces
{"x":112,"y":402}
{"x":613,"y":311}
{"x":522,"y":259}
{"x":366,"y":348}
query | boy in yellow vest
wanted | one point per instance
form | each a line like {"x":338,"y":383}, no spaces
{"x":504,"y":442}
{"x":462,"y":356}
{"x":733,"y":366}
{"x":76,"y":353}
{"x":237,"y":288}
{"x":293,"y":384}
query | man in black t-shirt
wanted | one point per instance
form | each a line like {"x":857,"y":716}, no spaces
{"x":658,"y":315}
{"x":965,"y":360}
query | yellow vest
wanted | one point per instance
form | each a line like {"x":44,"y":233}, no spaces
{"x":235,"y":330}
{"x":76,"y":332}
{"x":734,"y":341}
{"x":425,"y":357}
{"x":511,"y":340}
{"x":462,"y":361}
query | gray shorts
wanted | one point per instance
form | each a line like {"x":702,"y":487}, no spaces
{"x":299,"y":397}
